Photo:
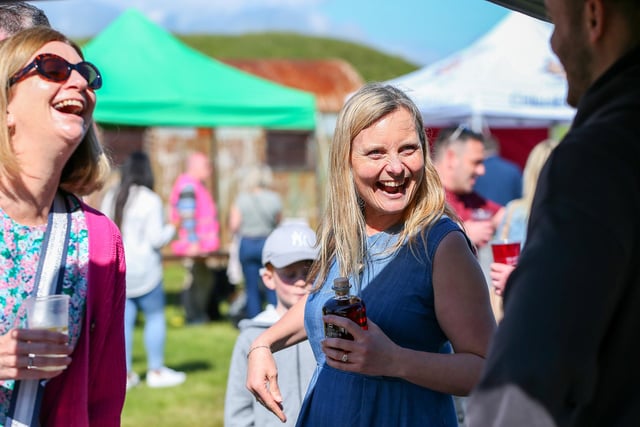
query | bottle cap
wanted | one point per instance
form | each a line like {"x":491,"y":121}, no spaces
{"x":341,"y":284}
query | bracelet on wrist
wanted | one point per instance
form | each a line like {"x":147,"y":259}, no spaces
{"x":257,"y":347}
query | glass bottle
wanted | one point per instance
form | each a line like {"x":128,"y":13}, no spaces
{"x":345,"y":305}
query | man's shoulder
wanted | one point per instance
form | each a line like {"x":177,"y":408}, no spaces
{"x":503,"y":165}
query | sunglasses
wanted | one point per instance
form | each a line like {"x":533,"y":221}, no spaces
{"x":57,"y":69}
{"x":465,"y":132}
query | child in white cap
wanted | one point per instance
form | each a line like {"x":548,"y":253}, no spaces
{"x":286,"y":258}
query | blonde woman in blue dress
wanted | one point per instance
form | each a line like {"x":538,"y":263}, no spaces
{"x":388,"y":228}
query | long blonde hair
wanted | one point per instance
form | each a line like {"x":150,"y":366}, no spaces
{"x":535,"y":161}
{"x":342,"y":232}
{"x":88,"y":167}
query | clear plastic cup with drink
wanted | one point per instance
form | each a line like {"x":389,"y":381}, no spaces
{"x":49,"y":312}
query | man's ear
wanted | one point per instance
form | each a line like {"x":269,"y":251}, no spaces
{"x":451,"y":155}
{"x":594,"y":19}
{"x":267,"y":278}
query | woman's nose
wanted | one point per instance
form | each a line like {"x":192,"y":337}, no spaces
{"x":394,"y":165}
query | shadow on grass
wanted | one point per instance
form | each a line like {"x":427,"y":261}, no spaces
{"x":193,"y":366}
{"x":190,"y":366}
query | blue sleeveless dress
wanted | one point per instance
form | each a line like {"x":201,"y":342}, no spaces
{"x":398,"y":294}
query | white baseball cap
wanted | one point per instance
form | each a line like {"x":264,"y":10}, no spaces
{"x":290,"y":242}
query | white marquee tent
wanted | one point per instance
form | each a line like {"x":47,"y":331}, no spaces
{"x":509,"y":78}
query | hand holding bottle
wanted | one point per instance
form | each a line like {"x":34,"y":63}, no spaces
{"x":371,"y":352}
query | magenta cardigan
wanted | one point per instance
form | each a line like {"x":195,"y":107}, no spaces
{"x":91,"y":391}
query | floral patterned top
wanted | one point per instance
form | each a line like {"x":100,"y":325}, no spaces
{"x":20,"y":247}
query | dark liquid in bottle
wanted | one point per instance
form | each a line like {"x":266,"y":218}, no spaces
{"x":349,"y":306}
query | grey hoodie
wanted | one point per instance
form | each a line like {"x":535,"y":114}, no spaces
{"x":295,"y":368}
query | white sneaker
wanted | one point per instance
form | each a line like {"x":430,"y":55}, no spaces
{"x":132,"y":380}
{"x":165,"y":377}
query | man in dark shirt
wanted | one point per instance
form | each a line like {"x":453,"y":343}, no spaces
{"x":565,"y":352}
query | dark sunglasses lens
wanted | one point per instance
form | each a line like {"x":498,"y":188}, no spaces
{"x":54,"y":68}
{"x":59,"y":70}
{"x":91,"y":74}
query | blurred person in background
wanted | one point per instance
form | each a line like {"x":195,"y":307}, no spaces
{"x":502,"y":179}
{"x":564,"y":354}
{"x":458,"y":155}
{"x":255,"y":213}
{"x":193,"y":210}
{"x":137,"y":210}
{"x":18,"y":15}
{"x":514,"y":223}
{"x":49,"y":158}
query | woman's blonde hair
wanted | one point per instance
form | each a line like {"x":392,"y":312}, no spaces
{"x":88,"y":167}
{"x":535,"y":161}
{"x":342,"y":232}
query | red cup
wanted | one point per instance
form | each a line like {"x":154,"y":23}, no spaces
{"x":505,"y":252}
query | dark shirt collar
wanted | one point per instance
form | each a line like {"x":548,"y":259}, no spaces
{"x":609,"y":84}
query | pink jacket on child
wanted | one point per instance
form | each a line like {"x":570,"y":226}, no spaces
{"x":206,"y":217}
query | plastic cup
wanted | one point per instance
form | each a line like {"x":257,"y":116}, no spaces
{"x":505,"y":251}
{"x":48,"y":312}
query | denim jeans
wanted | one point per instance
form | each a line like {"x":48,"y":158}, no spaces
{"x":155,"y":328}
{"x":250,"y":254}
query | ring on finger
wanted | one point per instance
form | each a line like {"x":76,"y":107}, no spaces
{"x":30,"y":361}
{"x":345,"y":358}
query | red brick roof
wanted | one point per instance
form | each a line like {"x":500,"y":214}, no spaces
{"x":331,"y":80}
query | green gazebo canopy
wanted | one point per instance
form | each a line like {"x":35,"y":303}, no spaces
{"x":153,"y":79}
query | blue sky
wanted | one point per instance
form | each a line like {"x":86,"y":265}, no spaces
{"x":419,"y":30}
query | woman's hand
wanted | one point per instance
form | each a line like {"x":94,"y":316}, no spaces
{"x":33,"y":354}
{"x":262,"y":379}
{"x":479,"y":232}
{"x":499,"y":275}
{"x":371,"y":352}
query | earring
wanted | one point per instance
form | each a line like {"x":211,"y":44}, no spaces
{"x":360,"y":202}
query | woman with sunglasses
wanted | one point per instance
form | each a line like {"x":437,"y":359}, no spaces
{"x":51,"y":242}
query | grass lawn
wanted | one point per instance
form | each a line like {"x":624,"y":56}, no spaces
{"x":202,"y":351}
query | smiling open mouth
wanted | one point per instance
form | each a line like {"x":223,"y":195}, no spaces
{"x":70,"y":106}
{"x":391,"y":187}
